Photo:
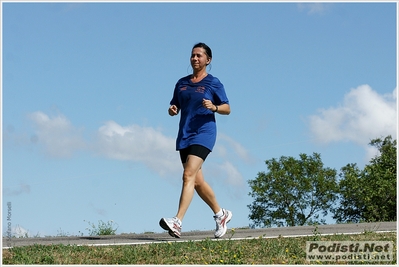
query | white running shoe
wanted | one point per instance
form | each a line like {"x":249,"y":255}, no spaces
{"x":172,"y":225}
{"x":221,"y":223}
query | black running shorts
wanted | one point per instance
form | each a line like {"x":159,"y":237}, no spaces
{"x":196,"y":150}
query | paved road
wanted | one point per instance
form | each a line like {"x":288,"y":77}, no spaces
{"x":200,"y":235}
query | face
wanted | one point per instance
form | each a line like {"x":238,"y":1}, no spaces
{"x":199,"y":59}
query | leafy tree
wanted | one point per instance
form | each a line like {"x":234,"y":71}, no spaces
{"x":293,"y":192}
{"x":369,"y":194}
{"x":350,"y":192}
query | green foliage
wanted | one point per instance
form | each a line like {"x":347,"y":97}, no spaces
{"x":370,"y":194}
{"x":102,"y":228}
{"x":351,"y":195}
{"x":316,"y":234}
{"x":293,"y":192}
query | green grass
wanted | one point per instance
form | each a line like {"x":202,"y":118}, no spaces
{"x":225,"y":251}
{"x":103,"y":228}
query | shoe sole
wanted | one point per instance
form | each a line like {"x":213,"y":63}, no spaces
{"x":227,"y":221}
{"x":165,"y":226}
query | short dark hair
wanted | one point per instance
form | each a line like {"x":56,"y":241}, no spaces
{"x":207,"y":49}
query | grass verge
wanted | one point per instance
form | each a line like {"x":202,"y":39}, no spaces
{"x":225,"y":251}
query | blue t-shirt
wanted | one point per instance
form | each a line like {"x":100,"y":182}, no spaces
{"x":197,"y":124}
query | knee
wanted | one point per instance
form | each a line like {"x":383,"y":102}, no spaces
{"x":188,"y":177}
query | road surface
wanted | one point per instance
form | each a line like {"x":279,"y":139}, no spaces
{"x":133,"y":239}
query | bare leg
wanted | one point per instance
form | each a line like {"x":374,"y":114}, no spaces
{"x":191,"y":169}
{"x":205,"y":192}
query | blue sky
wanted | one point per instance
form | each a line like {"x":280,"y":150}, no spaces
{"x":86,"y":86}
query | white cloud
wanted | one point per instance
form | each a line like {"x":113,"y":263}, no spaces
{"x":313,"y":8}
{"x":18,"y":190}
{"x":136,"y":143}
{"x":233,"y":176}
{"x":156,"y":151}
{"x":228,"y":155}
{"x":226,"y":146}
{"x":362,"y":116}
{"x":228,"y":174}
{"x":58,"y":136}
